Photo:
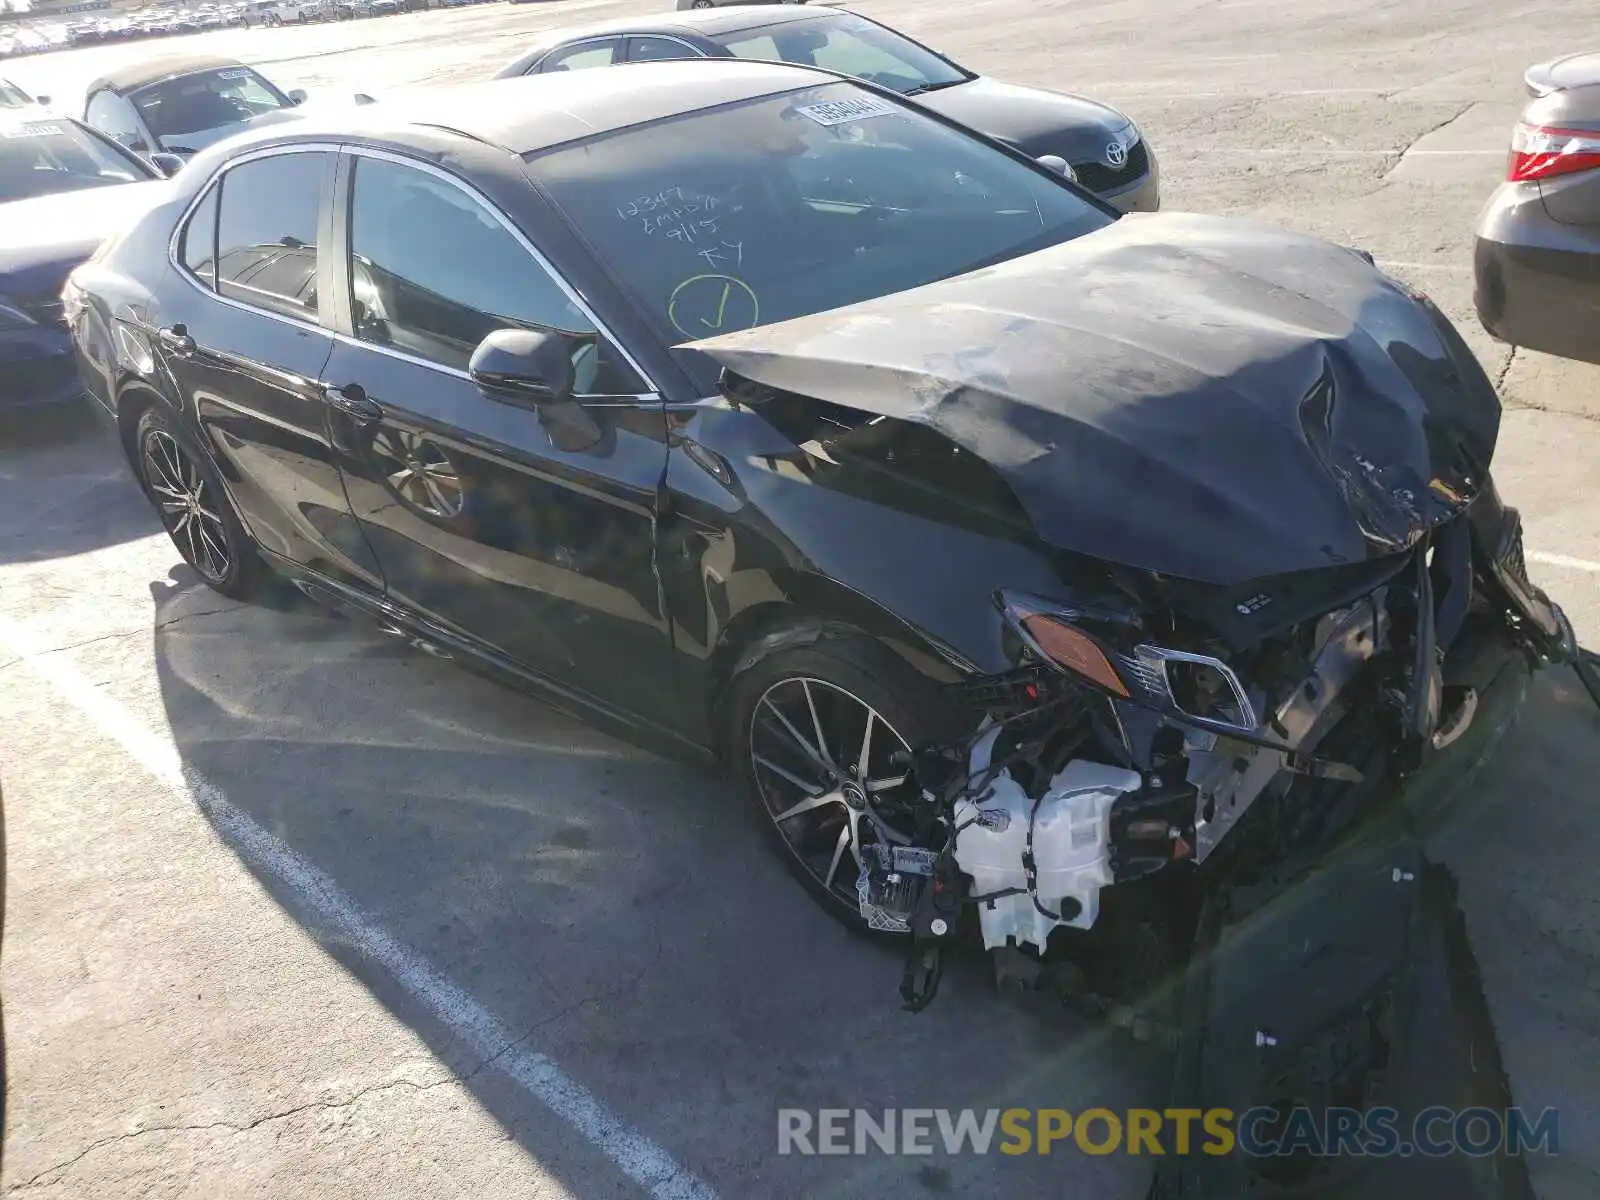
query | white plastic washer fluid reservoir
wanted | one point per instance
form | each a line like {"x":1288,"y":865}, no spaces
{"x":1071,"y":845}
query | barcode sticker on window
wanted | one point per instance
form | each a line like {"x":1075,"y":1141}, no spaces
{"x":839,"y":112}
{"x":33,"y":130}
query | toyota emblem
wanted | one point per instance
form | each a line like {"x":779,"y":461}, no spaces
{"x":1116,"y":154}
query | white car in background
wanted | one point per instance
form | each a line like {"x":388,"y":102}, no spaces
{"x":302,"y":12}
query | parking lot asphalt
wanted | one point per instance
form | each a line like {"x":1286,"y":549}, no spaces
{"x":296,"y":911}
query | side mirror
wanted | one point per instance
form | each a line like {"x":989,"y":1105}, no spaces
{"x":525,"y":367}
{"x":1059,"y":165}
{"x":168,"y":164}
{"x":41,"y":100}
{"x":298,"y":96}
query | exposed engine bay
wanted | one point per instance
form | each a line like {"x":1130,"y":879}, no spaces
{"x":1107,"y":759}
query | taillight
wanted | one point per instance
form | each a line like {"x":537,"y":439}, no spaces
{"x":1544,"y":152}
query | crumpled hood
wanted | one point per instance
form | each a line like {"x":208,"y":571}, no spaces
{"x":43,"y":238}
{"x":1209,"y":398}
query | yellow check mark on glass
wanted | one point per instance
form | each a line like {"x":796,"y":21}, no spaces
{"x":722,"y":307}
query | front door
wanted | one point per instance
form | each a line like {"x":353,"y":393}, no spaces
{"x":244,"y":346}
{"x":532,"y":533}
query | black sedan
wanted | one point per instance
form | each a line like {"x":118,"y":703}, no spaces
{"x":63,"y":188}
{"x":181,"y":103}
{"x":1538,"y":245}
{"x":1104,"y":148}
{"x":767,"y":415}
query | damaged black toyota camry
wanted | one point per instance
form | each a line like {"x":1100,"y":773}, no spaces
{"x":1017,"y":557}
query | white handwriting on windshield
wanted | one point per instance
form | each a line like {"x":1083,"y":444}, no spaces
{"x":687,"y":218}
{"x":723,"y":253}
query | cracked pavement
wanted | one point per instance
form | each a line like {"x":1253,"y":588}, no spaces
{"x":183,"y":1027}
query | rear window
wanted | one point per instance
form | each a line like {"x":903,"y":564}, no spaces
{"x":40,"y":158}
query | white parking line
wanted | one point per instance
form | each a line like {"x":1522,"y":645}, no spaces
{"x":1563,"y":560}
{"x":641,"y":1159}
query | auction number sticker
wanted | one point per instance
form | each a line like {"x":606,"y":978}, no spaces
{"x":236,"y":73}
{"x":840,"y":112}
{"x":32,"y":131}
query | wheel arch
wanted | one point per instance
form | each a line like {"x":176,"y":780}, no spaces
{"x":135,"y":397}
{"x":821,"y":610}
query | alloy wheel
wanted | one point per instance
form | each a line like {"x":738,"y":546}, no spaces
{"x":190,"y":510}
{"x":828,"y":769}
{"x":419,"y":472}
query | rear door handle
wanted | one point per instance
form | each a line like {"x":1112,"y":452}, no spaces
{"x":353,"y":402}
{"x":176,"y":338}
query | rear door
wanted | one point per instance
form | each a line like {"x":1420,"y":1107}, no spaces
{"x":241,"y":338}
{"x":530,"y":533}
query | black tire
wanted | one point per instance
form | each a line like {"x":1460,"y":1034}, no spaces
{"x":822,"y":835}
{"x":207,"y":534}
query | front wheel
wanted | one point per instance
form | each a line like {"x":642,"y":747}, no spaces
{"x":820,"y":741}
{"x":704,"y":4}
{"x":195,"y":510}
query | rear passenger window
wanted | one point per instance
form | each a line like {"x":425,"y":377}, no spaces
{"x":267,"y":232}
{"x":200,"y":239}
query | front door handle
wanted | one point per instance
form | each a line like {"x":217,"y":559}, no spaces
{"x":176,"y":338}
{"x":353,"y":402}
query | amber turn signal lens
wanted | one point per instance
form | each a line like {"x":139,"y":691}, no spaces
{"x":1073,"y":650}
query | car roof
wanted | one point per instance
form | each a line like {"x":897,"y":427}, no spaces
{"x":535,"y":112}
{"x":137,"y":75}
{"x":732,"y":18}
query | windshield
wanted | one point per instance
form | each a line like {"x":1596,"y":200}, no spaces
{"x":788,"y":205}
{"x":11,"y":96}
{"x":199,"y":103}
{"x":850,"y":45}
{"x":39,"y":158}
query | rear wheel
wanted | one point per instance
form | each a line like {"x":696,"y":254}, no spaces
{"x":195,"y":510}
{"x":820,"y":743}
{"x":704,"y":3}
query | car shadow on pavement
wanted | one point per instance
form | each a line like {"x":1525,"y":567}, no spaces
{"x":68,"y":488}
{"x":1439,"y":958}
{"x":622,"y":912}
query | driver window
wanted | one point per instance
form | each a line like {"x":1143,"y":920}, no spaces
{"x":658,"y":49}
{"x":433,"y":273}
{"x":762,"y":47}
{"x":581,"y":56}
{"x":113,"y":116}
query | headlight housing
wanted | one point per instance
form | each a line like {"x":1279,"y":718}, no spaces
{"x":1107,"y":650}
